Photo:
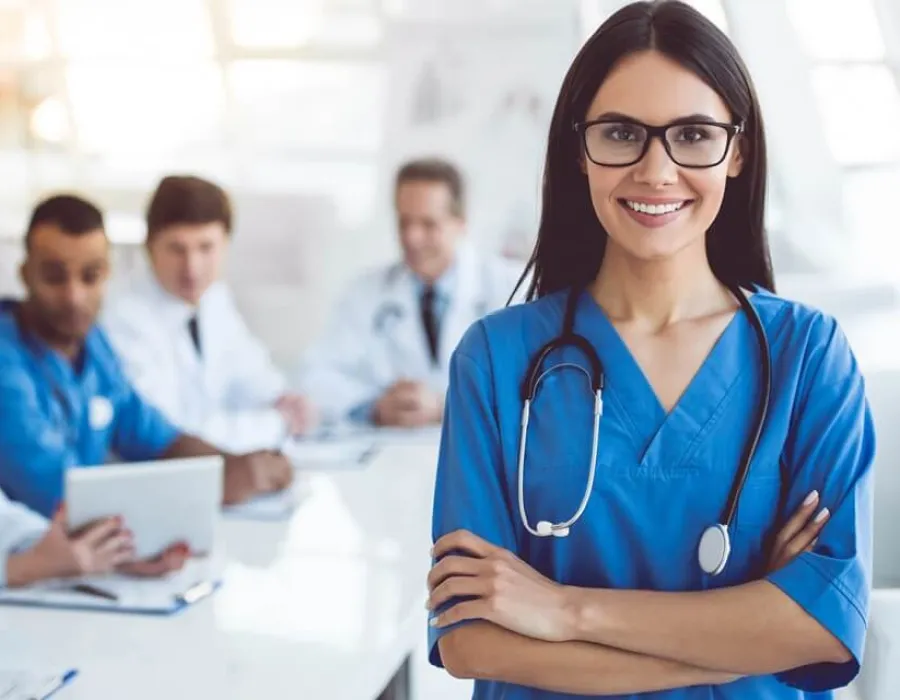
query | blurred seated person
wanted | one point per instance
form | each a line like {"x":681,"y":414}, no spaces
{"x":384,"y":358}
{"x":64,"y":400}
{"x":182,"y":340}
{"x":33,"y":549}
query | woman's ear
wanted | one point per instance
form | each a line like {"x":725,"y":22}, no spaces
{"x":736,"y":161}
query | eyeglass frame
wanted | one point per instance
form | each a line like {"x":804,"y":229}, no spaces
{"x":658,"y":132}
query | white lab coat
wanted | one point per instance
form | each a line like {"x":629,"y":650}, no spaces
{"x":224,"y":396}
{"x":376,"y":338}
{"x":20,"y":529}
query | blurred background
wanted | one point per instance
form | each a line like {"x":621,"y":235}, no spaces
{"x":303,"y":109}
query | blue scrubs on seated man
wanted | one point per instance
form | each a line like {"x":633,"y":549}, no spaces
{"x":652,"y":226}
{"x":64,"y":399}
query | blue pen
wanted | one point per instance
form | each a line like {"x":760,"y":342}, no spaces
{"x":56,"y":684}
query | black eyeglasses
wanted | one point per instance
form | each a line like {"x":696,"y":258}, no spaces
{"x":617,"y":143}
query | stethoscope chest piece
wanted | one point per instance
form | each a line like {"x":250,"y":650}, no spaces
{"x":545,"y":528}
{"x":714,"y":550}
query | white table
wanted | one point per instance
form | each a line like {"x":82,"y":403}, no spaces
{"x":325,"y":606}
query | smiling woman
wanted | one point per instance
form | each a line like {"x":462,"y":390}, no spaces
{"x":651,"y":271}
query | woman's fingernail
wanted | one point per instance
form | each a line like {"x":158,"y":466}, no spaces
{"x":822,"y":515}
{"x":433,"y":622}
{"x":811,"y":498}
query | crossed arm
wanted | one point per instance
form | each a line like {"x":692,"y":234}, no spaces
{"x":531,"y":631}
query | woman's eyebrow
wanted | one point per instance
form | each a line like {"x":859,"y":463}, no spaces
{"x":689,"y":119}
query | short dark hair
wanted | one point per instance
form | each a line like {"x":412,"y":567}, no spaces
{"x":186,"y":199}
{"x":438,"y":171}
{"x":70,"y":213}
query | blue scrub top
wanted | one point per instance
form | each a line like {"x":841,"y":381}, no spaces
{"x":663,"y":478}
{"x":54,"y":416}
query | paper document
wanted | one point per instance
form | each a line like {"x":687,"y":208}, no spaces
{"x":404,"y":436}
{"x":348,"y":433}
{"x":272,"y":506}
{"x":32,"y":684}
{"x":118,"y":592}
{"x":329,"y":454}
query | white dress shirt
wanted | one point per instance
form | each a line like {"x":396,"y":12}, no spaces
{"x":224,"y":393}
{"x":20,"y":529}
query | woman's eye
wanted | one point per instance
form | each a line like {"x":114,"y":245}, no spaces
{"x":692,"y":134}
{"x":622,"y":132}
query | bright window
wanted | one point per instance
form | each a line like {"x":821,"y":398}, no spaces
{"x":162,"y":30}
{"x":858,"y":103}
{"x":838,"y":30}
{"x":314,"y":105}
{"x":857,"y":89}
{"x":276,"y":24}
{"x":132,"y":107}
{"x":24,"y":35}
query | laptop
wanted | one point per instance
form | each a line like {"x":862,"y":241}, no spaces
{"x":161,"y":502}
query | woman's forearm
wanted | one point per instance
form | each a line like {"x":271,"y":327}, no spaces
{"x":752,"y":629}
{"x":482,"y":650}
{"x":25,"y":568}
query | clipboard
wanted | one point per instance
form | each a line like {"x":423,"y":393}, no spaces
{"x":268,"y":507}
{"x":33,"y":684}
{"x":119,"y":594}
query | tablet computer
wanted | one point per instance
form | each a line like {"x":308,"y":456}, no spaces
{"x":161,"y":502}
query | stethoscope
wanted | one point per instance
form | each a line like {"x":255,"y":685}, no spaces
{"x":715,"y":544}
{"x":391,"y":312}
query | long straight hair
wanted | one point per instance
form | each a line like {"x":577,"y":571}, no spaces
{"x":571,"y":240}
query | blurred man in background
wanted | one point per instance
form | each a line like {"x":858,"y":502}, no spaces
{"x":64,"y":400}
{"x":384,"y":358}
{"x":182,"y":339}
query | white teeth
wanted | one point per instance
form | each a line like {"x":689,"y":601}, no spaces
{"x":654,"y":209}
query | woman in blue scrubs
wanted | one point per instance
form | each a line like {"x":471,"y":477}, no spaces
{"x":652,"y":225}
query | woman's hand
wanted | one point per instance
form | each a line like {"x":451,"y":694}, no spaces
{"x":97,"y":548}
{"x":799,"y":533}
{"x":500,"y":588}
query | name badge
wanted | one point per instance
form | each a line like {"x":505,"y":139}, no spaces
{"x":100,"y":412}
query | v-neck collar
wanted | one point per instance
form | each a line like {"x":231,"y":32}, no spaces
{"x":661,"y":438}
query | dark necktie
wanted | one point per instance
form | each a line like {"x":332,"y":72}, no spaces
{"x":194,"y":329}
{"x":429,"y":322}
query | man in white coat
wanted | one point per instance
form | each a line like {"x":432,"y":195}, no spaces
{"x":181,"y":338}
{"x":384,"y":359}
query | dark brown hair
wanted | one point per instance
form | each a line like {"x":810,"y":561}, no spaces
{"x":185,"y":199}
{"x":438,"y":171}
